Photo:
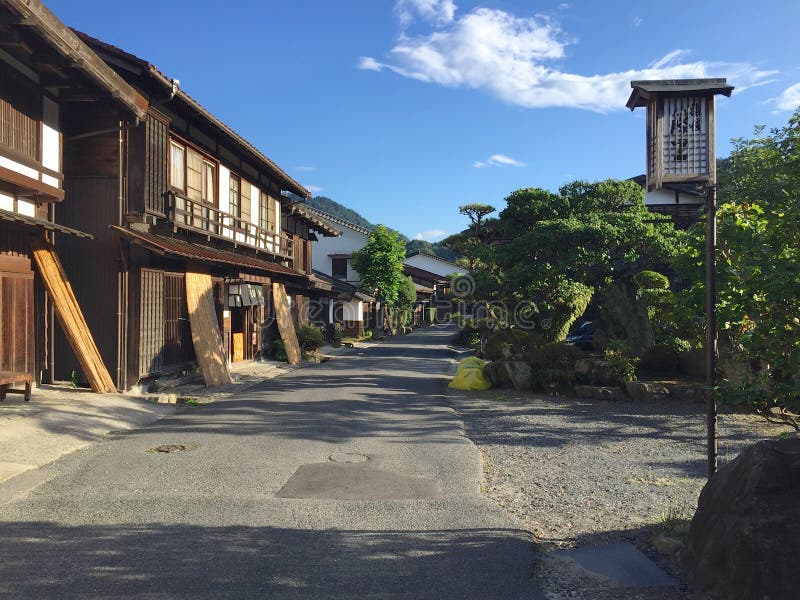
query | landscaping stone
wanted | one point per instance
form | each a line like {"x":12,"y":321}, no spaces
{"x":594,"y":392}
{"x":667,"y":545}
{"x":519,"y":373}
{"x":745,"y":537}
{"x":497,"y":373}
{"x":603,"y":373}
{"x":641,"y":391}
{"x":583,"y":369}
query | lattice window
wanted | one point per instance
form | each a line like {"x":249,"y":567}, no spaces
{"x":685,"y":136}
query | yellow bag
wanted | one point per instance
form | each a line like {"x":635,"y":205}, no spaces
{"x":470,"y":376}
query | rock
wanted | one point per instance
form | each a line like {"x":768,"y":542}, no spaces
{"x":497,"y":373}
{"x":641,"y":391}
{"x":583,"y":369}
{"x":519,"y":373}
{"x":168,"y":399}
{"x":667,"y":545}
{"x":594,"y":392}
{"x":745,"y":537}
{"x":603,"y":372}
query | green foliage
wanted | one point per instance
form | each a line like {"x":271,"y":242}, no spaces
{"x":434,"y":248}
{"x":758,"y":268}
{"x":310,"y":337}
{"x":407,"y":294}
{"x":469,"y":336}
{"x":336,"y":209}
{"x":660,"y":359}
{"x":557,"y":250}
{"x":279,"y":350}
{"x":515,"y":338}
{"x":338,"y":333}
{"x":651,"y":280}
{"x":380,"y":264}
{"x":622,"y":366}
{"x":552,"y":365}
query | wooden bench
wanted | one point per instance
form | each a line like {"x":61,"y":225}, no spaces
{"x":9,"y":379}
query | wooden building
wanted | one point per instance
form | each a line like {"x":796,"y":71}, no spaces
{"x":55,"y":93}
{"x":193,"y":230}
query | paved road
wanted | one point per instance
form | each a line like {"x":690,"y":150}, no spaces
{"x":255,"y":507}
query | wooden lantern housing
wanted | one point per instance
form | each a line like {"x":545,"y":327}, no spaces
{"x":680,"y":128}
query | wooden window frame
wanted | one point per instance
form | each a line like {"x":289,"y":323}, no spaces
{"x":333,"y":270}
{"x":238,"y":212}
{"x":205,"y":158}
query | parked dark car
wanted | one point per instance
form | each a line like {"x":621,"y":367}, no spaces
{"x":582,"y":336}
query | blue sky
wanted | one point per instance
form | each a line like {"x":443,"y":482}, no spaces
{"x":405,"y":109}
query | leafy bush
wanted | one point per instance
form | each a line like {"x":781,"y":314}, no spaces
{"x":651,"y":280}
{"x":469,"y":336}
{"x":622,"y":367}
{"x":279,"y":350}
{"x":552,"y":365}
{"x":660,"y":359}
{"x":512,"y":337}
{"x":310,"y":337}
{"x":338,"y":333}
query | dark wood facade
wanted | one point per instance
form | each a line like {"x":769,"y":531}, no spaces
{"x":176,"y":191}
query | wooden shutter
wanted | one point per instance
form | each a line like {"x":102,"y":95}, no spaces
{"x":17,"y":348}
{"x":151,"y":322}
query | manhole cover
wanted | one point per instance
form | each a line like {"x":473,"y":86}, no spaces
{"x":348,"y":457}
{"x":169,"y":448}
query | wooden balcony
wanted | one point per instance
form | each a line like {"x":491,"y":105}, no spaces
{"x":200,"y":217}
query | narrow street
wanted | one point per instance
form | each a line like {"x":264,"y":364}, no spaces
{"x":352,"y":479}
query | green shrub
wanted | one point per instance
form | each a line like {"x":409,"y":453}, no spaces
{"x":338,"y":333}
{"x":493,"y":349}
{"x":660,"y":359}
{"x":310,"y":337}
{"x":651,"y":280}
{"x":552,"y":365}
{"x":622,"y":366}
{"x":469,"y":336}
{"x":279,"y":350}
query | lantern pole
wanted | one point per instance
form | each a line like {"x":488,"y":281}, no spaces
{"x":711,"y":326}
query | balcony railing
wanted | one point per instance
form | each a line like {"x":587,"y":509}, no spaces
{"x":201,"y":217}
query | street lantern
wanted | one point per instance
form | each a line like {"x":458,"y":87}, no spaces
{"x":681,"y":149}
{"x":680,"y":128}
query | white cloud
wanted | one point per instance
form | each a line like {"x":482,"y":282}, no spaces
{"x":512,"y":59}
{"x":305,"y":169}
{"x":436,"y":12}
{"x":430,"y":236}
{"x":314,"y":189}
{"x":788,"y":99}
{"x":498,"y":160}
{"x":637,"y":21}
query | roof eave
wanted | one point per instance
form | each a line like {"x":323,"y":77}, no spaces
{"x":63,"y":39}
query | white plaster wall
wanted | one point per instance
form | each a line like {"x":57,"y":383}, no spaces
{"x":347,"y":243}
{"x":432,"y":265}
{"x":26,"y":208}
{"x":224,"y":188}
{"x":18,"y":168}
{"x":353,"y":310}
{"x":6,"y":202}
{"x":668,"y":197}
{"x":255,"y":194}
{"x":51,"y":142}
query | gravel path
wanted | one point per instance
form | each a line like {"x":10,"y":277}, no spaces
{"x":581,"y":473}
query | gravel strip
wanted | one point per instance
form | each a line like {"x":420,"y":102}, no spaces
{"x":581,"y":473}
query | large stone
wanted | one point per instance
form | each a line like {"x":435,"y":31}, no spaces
{"x":641,"y":391}
{"x":745,"y":537}
{"x":600,"y":392}
{"x":583,"y":369}
{"x":603,"y":373}
{"x":519,"y":373}
{"x":497,"y":373}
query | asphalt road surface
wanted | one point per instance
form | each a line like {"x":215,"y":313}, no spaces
{"x":352,"y":479}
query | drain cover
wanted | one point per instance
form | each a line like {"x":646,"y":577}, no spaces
{"x":348,"y":457}
{"x":169,"y":448}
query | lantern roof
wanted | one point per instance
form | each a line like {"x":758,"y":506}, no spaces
{"x":645,"y":89}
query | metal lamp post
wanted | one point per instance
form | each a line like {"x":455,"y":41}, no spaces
{"x":680,"y":150}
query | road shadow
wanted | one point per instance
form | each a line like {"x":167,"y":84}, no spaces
{"x":47,"y":560}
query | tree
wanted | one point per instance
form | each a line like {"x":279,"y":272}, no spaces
{"x":380,"y":264}
{"x":558,"y":251}
{"x":476,"y":212}
{"x":758,"y":270}
{"x":406,"y":297}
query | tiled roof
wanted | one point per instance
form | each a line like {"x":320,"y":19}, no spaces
{"x":338,"y":220}
{"x":186,"y":249}
{"x":170,"y":84}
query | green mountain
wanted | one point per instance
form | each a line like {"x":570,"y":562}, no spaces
{"x":336,"y":209}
